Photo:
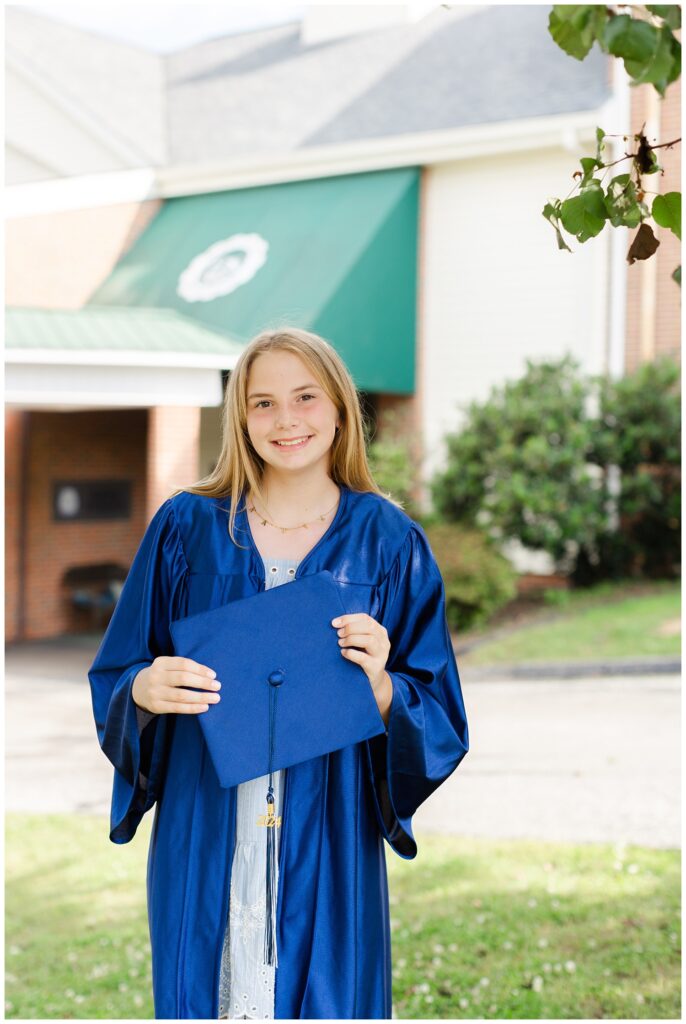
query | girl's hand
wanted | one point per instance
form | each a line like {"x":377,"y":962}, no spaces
{"x":159,"y":688}
{"x":361,"y":630}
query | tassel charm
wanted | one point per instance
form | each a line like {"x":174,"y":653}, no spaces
{"x":270,"y":819}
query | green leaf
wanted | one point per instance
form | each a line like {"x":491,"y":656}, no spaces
{"x":631,"y":38}
{"x":572,"y":28}
{"x":661,"y":68}
{"x":676,"y":276}
{"x":588,"y":165}
{"x":654,"y":165}
{"x":670,"y":13}
{"x":592,"y":183}
{"x":676,"y":54}
{"x":550,"y":214}
{"x":621,"y":202}
{"x":600,"y":145}
{"x":584,"y":215}
{"x":667,"y":212}
{"x":561,"y":244}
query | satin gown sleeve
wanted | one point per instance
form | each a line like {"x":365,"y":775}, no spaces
{"x":427,"y":734}
{"x":137,"y":633}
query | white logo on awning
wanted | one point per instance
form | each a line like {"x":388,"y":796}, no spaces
{"x":222,"y":268}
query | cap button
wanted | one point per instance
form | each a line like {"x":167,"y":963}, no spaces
{"x":277,"y":677}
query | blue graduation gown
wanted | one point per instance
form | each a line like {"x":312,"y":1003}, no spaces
{"x":333,"y":930}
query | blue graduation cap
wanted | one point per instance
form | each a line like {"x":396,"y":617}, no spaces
{"x":287,"y":693}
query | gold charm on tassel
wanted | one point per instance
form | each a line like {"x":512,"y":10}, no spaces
{"x":269,"y":820}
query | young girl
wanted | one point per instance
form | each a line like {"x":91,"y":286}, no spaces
{"x":291,"y":495}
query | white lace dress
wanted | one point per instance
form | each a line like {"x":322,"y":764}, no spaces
{"x":246,"y":984}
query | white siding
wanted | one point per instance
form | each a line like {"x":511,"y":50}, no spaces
{"x":495,"y":288}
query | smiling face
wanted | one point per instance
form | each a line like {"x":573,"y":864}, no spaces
{"x":285,"y":402}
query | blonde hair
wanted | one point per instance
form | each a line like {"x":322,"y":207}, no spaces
{"x":238,"y":461}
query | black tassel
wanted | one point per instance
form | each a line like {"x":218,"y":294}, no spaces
{"x":270,"y":952}
{"x":272,"y":822}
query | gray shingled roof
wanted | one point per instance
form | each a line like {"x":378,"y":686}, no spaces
{"x":265,"y":91}
{"x":496,"y":65}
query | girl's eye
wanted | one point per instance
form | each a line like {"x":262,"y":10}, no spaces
{"x":258,"y":404}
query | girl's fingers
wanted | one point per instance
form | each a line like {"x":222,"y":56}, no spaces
{"x":355,"y":640}
{"x":183,"y":677}
{"x":180,"y":694}
{"x":174,"y":663}
{"x":175,"y":707}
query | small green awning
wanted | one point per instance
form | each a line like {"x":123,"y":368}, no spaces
{"x":113,"y":357}
{"x":100,"y":329}
{"x":337,"y":256}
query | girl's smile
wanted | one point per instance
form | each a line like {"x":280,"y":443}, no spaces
{"x":293,"y":446}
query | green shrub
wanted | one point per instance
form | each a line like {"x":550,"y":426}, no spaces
{"x":519,"y":465}
{"x":538,"y":460}
{"x":639,"y":431}
{"x":478,"y":579}
{"x":392,"y":465}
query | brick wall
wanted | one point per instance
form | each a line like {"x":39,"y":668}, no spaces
{"x":173,"y":452}
{"x":14,"y":426}
{"x":157,"y":450}
{"x":653,"y":298}
{"x":83,"y":445}
{"x":668,"y":311}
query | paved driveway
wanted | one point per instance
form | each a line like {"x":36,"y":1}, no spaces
{"x":584,"y":760}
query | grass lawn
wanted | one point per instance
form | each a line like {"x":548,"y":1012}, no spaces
{"x":481,"y":928}
{"x":607,"y":621}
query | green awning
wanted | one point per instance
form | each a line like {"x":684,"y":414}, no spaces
{"x":333,"y":255}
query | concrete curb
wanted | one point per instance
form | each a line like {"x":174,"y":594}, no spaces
{"x":668,"y":665}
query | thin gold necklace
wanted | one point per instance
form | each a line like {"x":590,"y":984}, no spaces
{"x":284,"y":529}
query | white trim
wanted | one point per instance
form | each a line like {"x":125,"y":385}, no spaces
{"x":71,"y":401}
{"x":120,"y":357}
{"x":416,"y":149}
{"x":81,"y":192}
{"x":88,"y":387}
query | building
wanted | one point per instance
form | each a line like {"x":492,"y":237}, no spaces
{"x":379,"y":183}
